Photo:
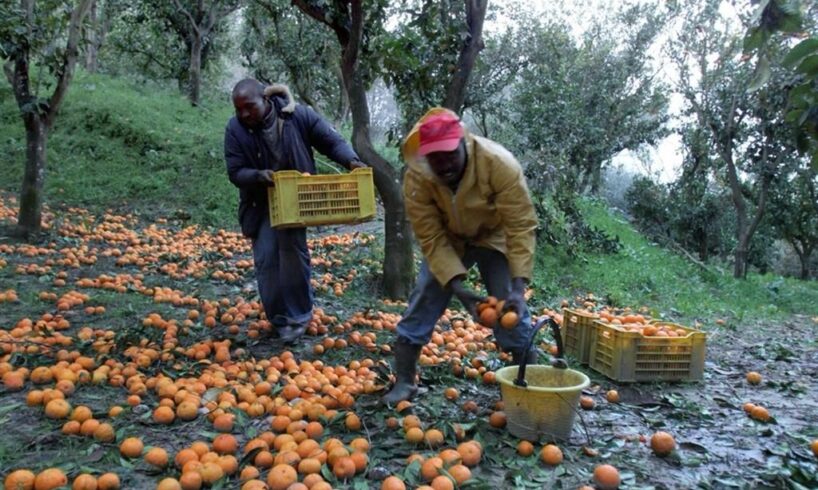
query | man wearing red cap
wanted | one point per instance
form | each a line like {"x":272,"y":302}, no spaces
{"x":468,"y":202}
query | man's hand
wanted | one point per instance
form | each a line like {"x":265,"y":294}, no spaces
{"x":356,"y":164}
{"x":265,"y":176}
{"x":466,"y":296}
{"x":516,"y":299}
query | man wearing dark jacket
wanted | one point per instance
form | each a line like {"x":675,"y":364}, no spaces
{"x":270,"y":132}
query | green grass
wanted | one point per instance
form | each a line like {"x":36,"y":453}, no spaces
{"x":116,"y":143}
{"x":643,"y":273}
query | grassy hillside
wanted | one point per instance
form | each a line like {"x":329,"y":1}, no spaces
{"x":116,"y":143}
{"x":643,"y":273}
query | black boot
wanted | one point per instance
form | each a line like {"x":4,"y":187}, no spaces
{"x":406,"y":368}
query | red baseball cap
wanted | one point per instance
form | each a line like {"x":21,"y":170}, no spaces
{"x":439,"y":132}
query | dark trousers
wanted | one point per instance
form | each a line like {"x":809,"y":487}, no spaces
{"x":282,"y":264}
{"x":429,"y":300}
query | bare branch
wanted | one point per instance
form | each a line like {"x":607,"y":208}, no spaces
{"x":189,"y":16}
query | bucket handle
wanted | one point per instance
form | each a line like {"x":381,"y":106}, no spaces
{"x":557,"y":362}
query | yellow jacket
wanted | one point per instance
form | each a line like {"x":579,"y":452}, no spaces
{"x":491,"y":208}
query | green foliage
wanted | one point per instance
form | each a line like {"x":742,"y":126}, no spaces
{"x":644,"y":273}
{"x":139,"y":147}
{"x":790,"y":18}
{"x":152,"y":40}
{"x":280,"y":44}
{"x":420,"y":56}
{"x":578,"y":103}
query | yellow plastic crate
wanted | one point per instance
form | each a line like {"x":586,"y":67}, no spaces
{"x":297,"y":200}
{"x":576,"y":333}
{"x":632,"y":357}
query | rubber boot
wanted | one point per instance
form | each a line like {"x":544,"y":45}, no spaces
{"x":406,"y":368}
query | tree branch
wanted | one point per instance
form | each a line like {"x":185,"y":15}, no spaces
{"x":189,"y":16}
{"x":66,"y":71}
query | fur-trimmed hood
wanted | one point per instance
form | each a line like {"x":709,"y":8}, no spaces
{"x":281,"y":90}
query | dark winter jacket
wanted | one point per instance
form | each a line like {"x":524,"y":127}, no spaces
{"x":246,"y":154}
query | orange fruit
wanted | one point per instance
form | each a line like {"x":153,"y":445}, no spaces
{"x":359,"y":444}
{"x":414,"y":435}
{"x":163,"y":415}
{"x":50,"y":479}
{"x":360,"y":460}
{"x":157,"y":456}
{"x":343,"y":468}
{"x":525,"y":448}
{"x":352,"y":422}
{"x":662,"y":443}
{"x":131,"y":447}
{"x":488,"y":317}
{"x":57,"y":409}
{"x":81,"y":414}
{"x":433,"y":437}
{"x":498,"y":419}
{"x":104,"y":433}
{"x":84,"y":482}
{"x":211,"y":472}
{"x":185,"y":456}
{"x":748,"y":407}
{"x":451,"y":393}
{"x":814,"y":447}
{"x":169,"y":484}
{"x":509,"y":320}
{"x":20,"y":480}
{"x":471,"y":453}
{"x":190,"y":480}
{"x":108,"y":481}
{"x":586,"y":402}
{"x":249,"y":473}
{"x":760,"y":413}
{"x":224,"y":422}
{"x":753,"y":378}
{"x":442,"y":482}
{"x":551,"y":455}
{"x":606,"y":477}
{"x":71,"y":428}
{"x":282,"y":476}
{"x":393,"y":483}
{"x":225,"y":444}
{"x":309,"y":466}
{"x":612,"y":396}
{"x":460,"y":473}
{"x":430,"y":468}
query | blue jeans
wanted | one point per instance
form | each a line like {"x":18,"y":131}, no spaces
{"x":282,"y":263}
{"x":429,"y":300}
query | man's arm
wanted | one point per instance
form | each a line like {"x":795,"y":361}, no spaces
{"x":237,"y":171}
{"x":519,"y":219}
{"x":324,"y":138}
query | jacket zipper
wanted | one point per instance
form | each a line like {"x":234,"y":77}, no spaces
{"x":454,"y":212}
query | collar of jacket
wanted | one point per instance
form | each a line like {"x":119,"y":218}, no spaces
{"x":285,"y":103}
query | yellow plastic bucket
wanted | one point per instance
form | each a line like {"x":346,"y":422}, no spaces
{"x":547,"y":406}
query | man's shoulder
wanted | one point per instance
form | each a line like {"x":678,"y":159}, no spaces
{"x":489,"y":150}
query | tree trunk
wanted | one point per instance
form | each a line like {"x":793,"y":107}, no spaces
{"x":31,"y":193}
{"x":398,"y":266}
{"x":804,"y":256}
{"x":472,"y":45}
{"x":91,"y":37}
{"x":195,"y":69}
{"x":343,"y":99}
